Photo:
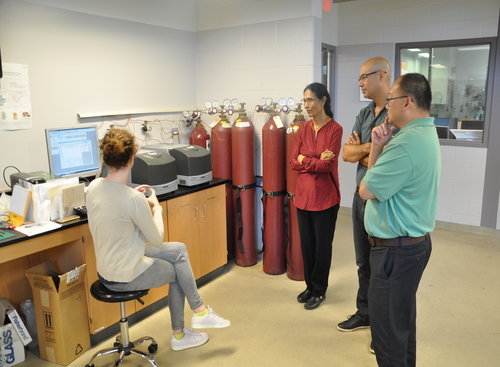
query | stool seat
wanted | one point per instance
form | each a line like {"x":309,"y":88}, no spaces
{"x":103,"y":294}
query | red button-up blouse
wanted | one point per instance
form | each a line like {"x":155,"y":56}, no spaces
{"x":318,"y":186}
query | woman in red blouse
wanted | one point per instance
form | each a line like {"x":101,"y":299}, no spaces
{"x":317,"y":194}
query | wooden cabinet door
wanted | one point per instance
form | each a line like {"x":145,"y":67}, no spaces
{"x":101,"y":314}
{"x":184,"y":216}
{"x":213,"y":228}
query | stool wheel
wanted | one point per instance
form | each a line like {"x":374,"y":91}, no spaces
{"x":153,"y":348}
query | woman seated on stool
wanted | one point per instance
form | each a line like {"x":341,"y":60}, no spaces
{"x":121,"y":220}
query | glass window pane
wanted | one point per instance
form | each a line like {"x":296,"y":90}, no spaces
{"x":457,"y":76}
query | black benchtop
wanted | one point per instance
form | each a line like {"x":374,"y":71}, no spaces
{"x":181,"y":191}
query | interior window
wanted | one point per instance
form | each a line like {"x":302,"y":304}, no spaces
{"x":458,"y":75}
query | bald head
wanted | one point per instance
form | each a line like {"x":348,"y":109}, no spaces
{"x":377,"y":81}
{"x":379,"y":63}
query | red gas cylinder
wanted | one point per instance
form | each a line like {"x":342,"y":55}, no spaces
{"x":273,"y":193}
{"x":243,"y":166}
{"x":295,"y":264}
{"x":199,"y":136}
{"x":220,"y":145}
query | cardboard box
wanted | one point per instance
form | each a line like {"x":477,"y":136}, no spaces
{"x":13,"y":335}
{"x":61,"y":312}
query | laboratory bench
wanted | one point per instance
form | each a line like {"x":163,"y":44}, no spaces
{"x":194,"y":215}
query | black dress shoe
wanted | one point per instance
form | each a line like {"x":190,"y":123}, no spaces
{"x":314,"y":302}
{"x":304,"y":296}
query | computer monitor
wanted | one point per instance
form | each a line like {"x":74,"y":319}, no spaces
{"x":73,"y":151}
{"x":443,"y":132}
{"x":472,"y":125}
{"x":446,"y":121}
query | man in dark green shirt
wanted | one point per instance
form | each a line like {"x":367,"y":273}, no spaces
{"x":375,"y":82}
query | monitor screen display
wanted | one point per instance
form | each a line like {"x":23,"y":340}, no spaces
{"x":73,"y":151}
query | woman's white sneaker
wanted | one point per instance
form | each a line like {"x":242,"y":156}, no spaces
{"x":191,"y":339}
{"x":210,"y":320}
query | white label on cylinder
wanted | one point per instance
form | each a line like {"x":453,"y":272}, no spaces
{"x":279,"y":123}
{"x":242,"y":124}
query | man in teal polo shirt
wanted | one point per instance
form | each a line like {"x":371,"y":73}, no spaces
{"x":401,"y":187}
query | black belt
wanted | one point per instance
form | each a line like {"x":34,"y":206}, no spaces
{"x":239,"y":214}
{"x":398,"y":241}
{"x":244,"y":187}
{"x":272,"y":194}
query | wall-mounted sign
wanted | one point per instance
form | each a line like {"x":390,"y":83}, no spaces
{"x":327,"y":5}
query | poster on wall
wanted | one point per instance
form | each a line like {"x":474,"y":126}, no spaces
{"x":15,"y":99}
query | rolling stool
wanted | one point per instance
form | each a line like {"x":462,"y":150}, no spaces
{"x":123,"y":346}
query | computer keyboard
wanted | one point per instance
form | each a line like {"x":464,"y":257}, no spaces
{"x":81,"y":210}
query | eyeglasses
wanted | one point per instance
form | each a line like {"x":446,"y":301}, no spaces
{"x":364,"y":76}
{"x":309,"y":100}
{"x":388,"y":100}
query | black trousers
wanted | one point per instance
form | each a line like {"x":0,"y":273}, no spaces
{"x":316,"y":230}
{"x":395,"y":276}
